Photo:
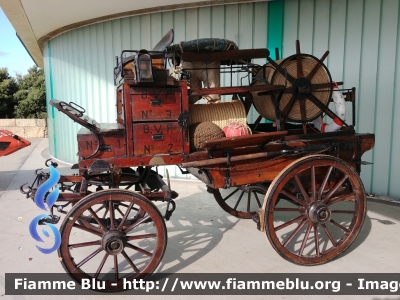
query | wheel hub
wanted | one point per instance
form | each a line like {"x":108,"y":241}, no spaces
{"x":113,"y":242}
{"x":301,"y":87}
{"x":318,"y":212}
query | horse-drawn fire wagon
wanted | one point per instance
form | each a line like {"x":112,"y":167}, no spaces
{"x":295,"y":176}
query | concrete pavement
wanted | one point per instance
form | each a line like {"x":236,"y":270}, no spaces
{"x":202,"y":238}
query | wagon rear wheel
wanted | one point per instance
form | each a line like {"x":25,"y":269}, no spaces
{"x":321,"y":209}
{"x":127,"y":242}
{"x":241,"y":201}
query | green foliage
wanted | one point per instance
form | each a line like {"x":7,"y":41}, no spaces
{"x":8,"y":87}
{"x":31,"y":94}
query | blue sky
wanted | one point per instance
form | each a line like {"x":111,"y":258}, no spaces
{"x":12,"y":53}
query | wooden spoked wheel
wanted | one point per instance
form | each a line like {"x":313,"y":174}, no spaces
{"x":241,"y":201}
{"x":127,"y":242}
{"x":321,"y":209}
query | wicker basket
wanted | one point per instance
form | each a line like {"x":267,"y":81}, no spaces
{"x":202,"y":132}
{"x":264,"y":104}
{"x":219,"y":113}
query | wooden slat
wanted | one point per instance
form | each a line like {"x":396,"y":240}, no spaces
{"x":70,"y":178}
{"x":242,"y":141}
{"x":236,"y":90}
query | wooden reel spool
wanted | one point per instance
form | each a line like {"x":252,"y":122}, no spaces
{"x":308,"y":89}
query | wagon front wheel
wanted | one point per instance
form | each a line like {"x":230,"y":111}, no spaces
{"x":127,"y":242}
{"x":321,"y":209}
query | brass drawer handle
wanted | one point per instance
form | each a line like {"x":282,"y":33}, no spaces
{"x":156,"y":102}
{"x":158,"y":137}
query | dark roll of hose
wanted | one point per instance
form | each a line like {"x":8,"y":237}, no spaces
{"x":206,"y":44}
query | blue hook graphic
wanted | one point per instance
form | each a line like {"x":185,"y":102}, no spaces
{"x":33,"y":231}
{"x":50,"y":200}
{"x":45,"y":187}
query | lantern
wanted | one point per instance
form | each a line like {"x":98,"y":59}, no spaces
{"x":143,"y":67}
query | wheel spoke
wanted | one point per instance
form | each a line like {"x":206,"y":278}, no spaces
{"x":319,"y":86}
{"x":101,"y":265}
{"x":240,"y":198}
{"x":313,"y":188}
{"x":138,"y":249}
{"x":338,"y":211}
{"x":329,"y":235}
{"x":289,"y":239}
{"x":141,"y":236}
{"x":111,"y":209}
{"x":121,"y":213}
{"x":320,"y":105}
{"x":125,"y":205}
{"x":321,"y":190}
{"x":299,"y":66}
{"x":337,"y":185}
{"x":281,"y":70}
{"x":340,"y":226}
{"x":299,"y":61}
{"x":227,"y":197}
{"x":142,"y":220}
{"x":303,"y":113}
{"x":300,"y":210}
{"x":288,"y":107}
{"x":116,"y":277}
{"x":299,"y":218}
{"x":93,"y":254}
{"x":99,"y":209}
{"x":130,"y":261}
{"x":287,"y":194}
{"x":341,"y":198}
{"x":303,"y":191}
{"x":316,"y":239}
{"x":105,"y":213}
{"x":78,"y":245}
{"x":94,"y":215}
{"x":87,"y":224}
{"x":317,"y":66}
{"x":303,"y":244}
{"x":141,"y":213}
{"x":258,"y":200}
{"x":248,"y":201}
{"x":77,"y":226}
{"x":125,"y":216}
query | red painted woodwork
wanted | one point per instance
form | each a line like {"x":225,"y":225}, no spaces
{"x":151,"y":104}
{"x":157,"y":138}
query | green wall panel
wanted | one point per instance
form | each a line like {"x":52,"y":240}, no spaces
{"x":363,"y":39}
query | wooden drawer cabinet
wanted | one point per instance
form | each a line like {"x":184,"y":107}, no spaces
{"x":151,"y":104}
{"x":157,"y":138}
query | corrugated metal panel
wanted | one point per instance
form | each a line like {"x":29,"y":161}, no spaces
{"x":81,"y":61}
{"x":363,"y":39}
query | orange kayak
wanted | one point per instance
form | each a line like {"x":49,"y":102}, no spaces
{"x":9,"y":142}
